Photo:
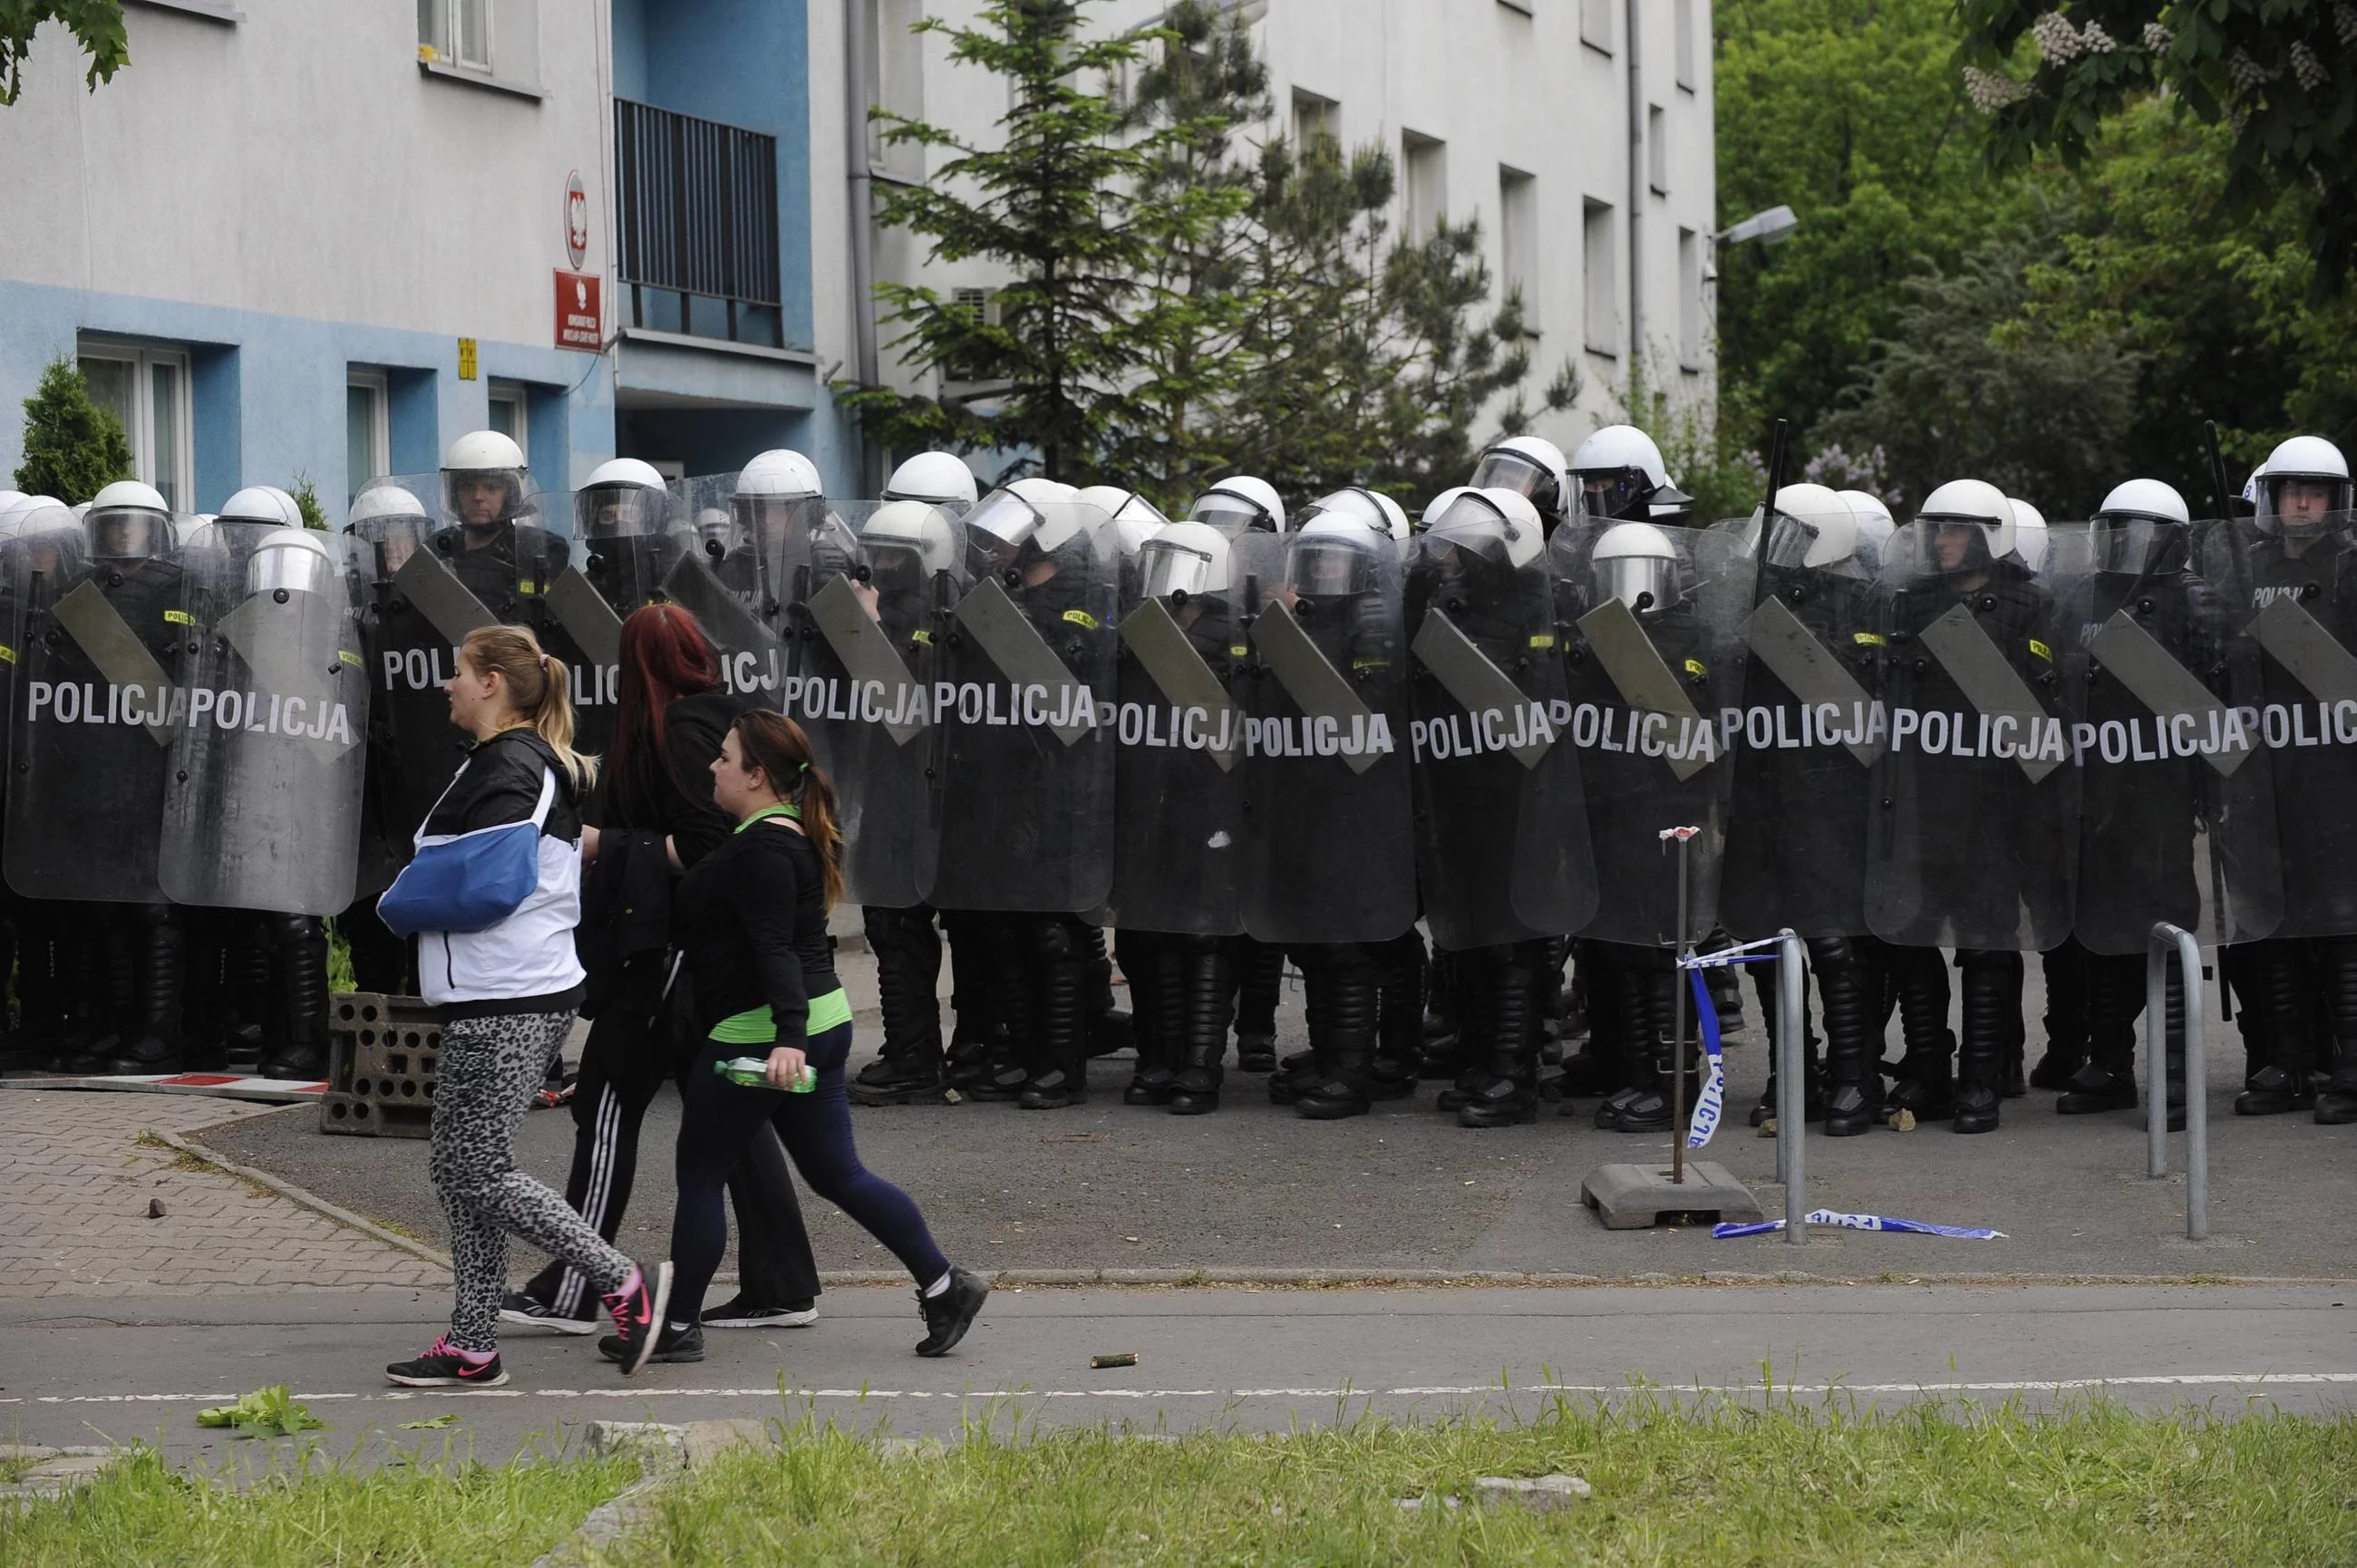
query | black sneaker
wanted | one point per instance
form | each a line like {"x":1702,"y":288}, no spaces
{"x":638,"y":1311}
{"x":741,"y":1312}
{"x":949,"y":1315}
{"x":443,"y":1367}
{"x":518,"y":1306}
{"x":677,"y":1342}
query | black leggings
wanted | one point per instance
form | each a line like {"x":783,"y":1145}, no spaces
{"x":721,"y":1120}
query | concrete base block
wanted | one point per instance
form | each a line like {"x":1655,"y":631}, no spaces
{"x":1637,"y":1197}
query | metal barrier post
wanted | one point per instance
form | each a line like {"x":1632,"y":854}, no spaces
{"x":1792,"y":1083}
{"x":2166,"y":937}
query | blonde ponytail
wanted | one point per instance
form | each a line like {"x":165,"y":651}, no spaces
{"x":538,"y":689}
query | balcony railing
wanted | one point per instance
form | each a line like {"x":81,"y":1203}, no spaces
{"x":699,"y":225}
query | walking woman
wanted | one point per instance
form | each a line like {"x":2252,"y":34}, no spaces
{"x":752,"y":922}
{"x":506,"y":993}
{"x":659,"y":821}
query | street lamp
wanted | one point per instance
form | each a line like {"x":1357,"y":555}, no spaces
{"x":1772,"y":227}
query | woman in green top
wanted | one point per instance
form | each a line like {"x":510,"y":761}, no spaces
{"x":751,"y":920}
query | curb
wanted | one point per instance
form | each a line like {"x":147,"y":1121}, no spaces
{"x":302,"y":1198}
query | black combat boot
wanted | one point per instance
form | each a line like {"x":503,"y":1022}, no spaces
{"x":1442,"y":1049}
{"x":1509,"y":1096}
{"x":1992,"y":988}
{"x":1623,"y":1023}
{"x":1260,"y":975}
{"x":1849,"y":985}
{"x":1654,"y":1106}
{"x":1924,"y":1077}
{"x":1399,"y":1029}
{"x":154,"y":1043}
{"x":2065,"y":969}
{"x":298,"y":946}
{"x":2336,"y":969}
{"x":1199,"y":973}
{"x":909,"y":1066}
{"x":1476,"y":1048}
{"x":1107,"y":1023}
{"x":1345,"y":1062}
{"x":1152,"y":1031}
{"x":1000,"y":1072}
{"x":2111,"y":996}
{"x":1058,"y":1070}
{"x":2284,"y":980}
{"x":1767,"y":978}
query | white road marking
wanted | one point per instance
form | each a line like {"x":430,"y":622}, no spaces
{"x":656,"y":1391}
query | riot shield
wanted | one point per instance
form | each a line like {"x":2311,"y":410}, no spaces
{"x":1804,"y":728}
{"x":728,"y":576}
{"x":1502,"y":851}
{"x":1023,"y":785}
{"x":95,"y":714}
{"x":1179,"y":733}
{"x":1973,"y":843}
{"x":579,"y":577}
{"x":415,"y":612}
{"x":1327,"y":799}
{"x":2285,"y":597}
{"x":1647,"y":619}
{"x":262,"y":807}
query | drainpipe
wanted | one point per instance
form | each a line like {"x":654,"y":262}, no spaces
{"x":858,"y":46}
{"x":1636,"y":203}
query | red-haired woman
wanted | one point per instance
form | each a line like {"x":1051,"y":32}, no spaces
{"x":659,"y":820}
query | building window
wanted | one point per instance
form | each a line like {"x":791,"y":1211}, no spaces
{"x":510,"y":411}
{"x":900,"y":86}
{"x":1316,"y":122}
{"x":1657,"y":149}
{"x":1427,"y":163}
{"x":148,"y":390}
{"x":1518,"y":241}
{"x":486,"y":37}
{"x":1689,"y":300}
{"x":368,"y":429}
{"x":1682,"y":47}
{"x":1596,"y":24}
{"x":1597,"y":254}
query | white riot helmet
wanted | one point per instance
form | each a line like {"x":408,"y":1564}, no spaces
{"x":940,"y":478}
{"x":778,"y":493}
{"x":1394,"y":516}
{"x":128,"y":522}
{"x":1134,"y":519}
{"x":1815,"y":530}
{"x":1875,"y":525}
{"x":262,"y":503}
{"x":1636,"y":564}
{"x":1620,"y":468}
{"x":1496,"y":525}
{"x":2136,"y":525}
{"x":1039,"y":513}
{"x":715,"y":530}
{"x":1238,"y":505}
{"x":625,"y":498}
{"x":9,"y":499}
{"x":31,"y":514}
{"x":484,"y":480}
{"x":385,"y":499}
{"x":1439,"y":505}
{"x":1341,"y":546}
{"x":2030,"y":538}
{"x":909,"y":541}
{"x":1530,"y":466}
{"x":1185,"y":559}
{"x":1972,"y":505}
{"x":2303,"y":482}
{"x":297,"y":560}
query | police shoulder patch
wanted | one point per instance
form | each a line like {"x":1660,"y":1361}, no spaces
{"x":921,"y":635}
{"x":1542,"y":639}
{"x":1696,"y":667}
{"x":1871,"y":639}
{"x":1083,"y":617}
{"x":179,"y":618}
{"x":2040,"y":650}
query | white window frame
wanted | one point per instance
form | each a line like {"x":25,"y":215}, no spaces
{"x":180,"y":484}
{"x":1423,"y":185}
{"x":514,"y":392}
{"x":378,"y":387}
{"x":1599,"y":230}
{"x":442,"y":24}
{"x":1518,"y":239}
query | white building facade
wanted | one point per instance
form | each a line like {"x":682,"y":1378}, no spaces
{"x":1578,"y":133}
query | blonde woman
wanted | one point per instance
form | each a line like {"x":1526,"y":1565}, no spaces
{"x":506,"y":993}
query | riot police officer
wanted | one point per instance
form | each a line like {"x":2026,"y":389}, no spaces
{"x":1620,"y":470}
{"x":1533,"y":467}
{"x":497,"y":546}
{"x":938,"y":478}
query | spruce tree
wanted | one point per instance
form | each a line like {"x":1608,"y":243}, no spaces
{"x":73,"y":449}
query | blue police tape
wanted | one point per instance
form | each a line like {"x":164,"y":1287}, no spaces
{"x":1864,"y":1222}
{"x":1709,"y":1101}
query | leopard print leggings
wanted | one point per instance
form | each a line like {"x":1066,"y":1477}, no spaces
{"x":490,"y":1070}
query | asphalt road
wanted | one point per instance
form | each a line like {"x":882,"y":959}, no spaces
{"x":1245,"y":1359}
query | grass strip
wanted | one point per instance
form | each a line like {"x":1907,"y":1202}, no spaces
{"x":448,"y":1512}
{"x":1719,"y":1483}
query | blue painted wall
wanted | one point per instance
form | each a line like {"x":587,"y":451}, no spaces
{"x":267,"y":399}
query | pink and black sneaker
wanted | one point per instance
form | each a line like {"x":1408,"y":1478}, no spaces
{"x":447,"y":1367}
{"x":638,"y":1309}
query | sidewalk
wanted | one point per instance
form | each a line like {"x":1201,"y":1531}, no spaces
{"x":77,"y":1184}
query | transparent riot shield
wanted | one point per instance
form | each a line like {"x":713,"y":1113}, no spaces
{"x":1973,"y":840}
{"x":415,"y":612}
{"x":858,"y":618}
{"x":1328,"y":800}
{"x":262,"y":807}
{"x":1804,"y":727}
{"x":1502,"y":851}
{"x":581,"y":569}
{"x":1179,"y":737}
{"x":96,"y":710}
{"x":728,"y":573}
{"x":2285,"y":597}
{"x":1648,"y":615}
{"x":1023,"y":785}
{"x":22,"y":550}
{"x":2164,"y":799}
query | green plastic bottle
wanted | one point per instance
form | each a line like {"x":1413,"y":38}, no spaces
{"x":753,"y":1072}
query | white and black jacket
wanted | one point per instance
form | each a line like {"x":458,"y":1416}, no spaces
{"x":525,"y":964}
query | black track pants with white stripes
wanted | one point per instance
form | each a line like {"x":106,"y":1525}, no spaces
{"x":633,"y":1048}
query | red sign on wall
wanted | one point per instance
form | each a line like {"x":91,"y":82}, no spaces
{"x":580,"y":314}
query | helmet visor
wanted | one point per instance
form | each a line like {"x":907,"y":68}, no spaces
{"x":2302,"y":503}
{"x":1324,"y":566}
{"x":619,"y":511}
{"x":1640,"y":582}
{"x":1004,"y":522}
{"x":127,"y":533}
{"x":1509,"y":471}
{"x":483,"y":498}
{"x":1615,"y":492}
{"x":1473,"y":525}
{"x":2127,"y":544}
{"x":772,"y":518}
{"x":1941,"y":546}
{"x":295,"y":567}
{"x":1231,"y":515}
{"x":1790,"y":539}
{"x":1174,"y":568}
